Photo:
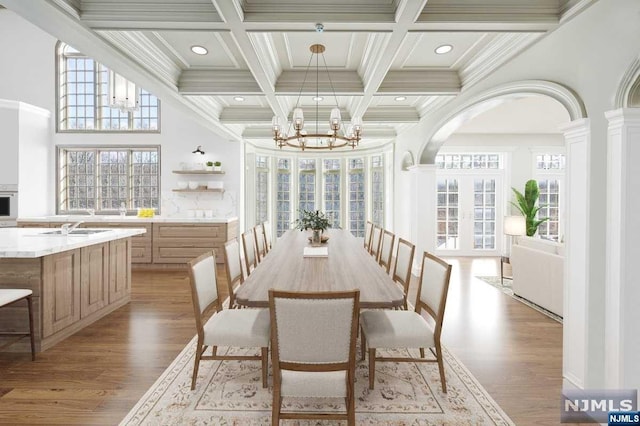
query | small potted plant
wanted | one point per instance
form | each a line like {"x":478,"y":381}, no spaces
{"x":217,"y":166}
{"x":209,"y":166}
{"x":317,"y":221}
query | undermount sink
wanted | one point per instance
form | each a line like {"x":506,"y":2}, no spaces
{"x":76,"y":232}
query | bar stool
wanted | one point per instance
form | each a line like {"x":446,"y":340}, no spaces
{"x":10,"y":296}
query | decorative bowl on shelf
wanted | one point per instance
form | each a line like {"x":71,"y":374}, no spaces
{"x":182,"y":184}
{"x":193,"y":184}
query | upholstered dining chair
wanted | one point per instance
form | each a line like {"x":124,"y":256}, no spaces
{"x":368,"y":230}
{"x":313,"y":347}
{"x":376,"y":239}
{"x":402,"y":267}
{"x":409,"y":329}
{"x":258,"y":235}
{"x":233,"y":268}
{"x":248,"y":241}
{"x":9,"y":296}
{"x":268,"y":240}
{"x":226,"y":327}
{"x":386,"y":249}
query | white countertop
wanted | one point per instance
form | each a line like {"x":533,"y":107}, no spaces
{"x":31,"y":242}
{"x":127,"y":219}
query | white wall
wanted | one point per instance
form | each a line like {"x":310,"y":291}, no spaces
{"x":31,"y":79}
{"x":589,"y":54}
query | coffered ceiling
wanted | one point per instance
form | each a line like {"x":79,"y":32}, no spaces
{"x":380,"y":53}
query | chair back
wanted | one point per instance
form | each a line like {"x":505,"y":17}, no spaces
{"x":368,"y":228}
{"x":258,"y":234}
{"x":433,"y":288}
{"x":376,"y":239}
{"x":266,"y":226}
{"x":249,"y":250}
{"x":314,"y":328}
{"x":233,"y":267}
{"x":204,"y":290}
{"x":386,"y":249}
{"x":404,"y":262}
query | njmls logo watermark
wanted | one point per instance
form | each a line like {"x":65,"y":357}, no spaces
{"x":593,"y":406}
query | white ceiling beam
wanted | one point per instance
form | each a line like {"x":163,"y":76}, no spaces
{"x":218,"y":82}
{"x":246,"y":115}
{"x":342,"y":82}
{"x":57,"y":22}
{"x":420,"y":83}
{"x":407,"y":12}
{"x":391,"y":115}
{"x":232,"y":15}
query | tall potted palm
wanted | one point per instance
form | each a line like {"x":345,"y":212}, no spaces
{"x":526,"y":204}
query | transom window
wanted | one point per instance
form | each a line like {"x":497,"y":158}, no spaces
{"x":468,"y":161}
{"x":550,"y":162}
{"x":106,"y":179}
{"x":83,"y":98}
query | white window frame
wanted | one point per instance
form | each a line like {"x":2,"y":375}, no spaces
{"x":552,"y":174}
{"x":63,"y":176}
{"x":98,"y":82}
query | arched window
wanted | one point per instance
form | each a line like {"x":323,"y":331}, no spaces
{"x":83,"y":98}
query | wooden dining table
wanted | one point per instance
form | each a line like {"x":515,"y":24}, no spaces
{"x":348,"y":266}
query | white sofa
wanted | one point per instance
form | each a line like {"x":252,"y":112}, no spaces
{"x":538,"y":272}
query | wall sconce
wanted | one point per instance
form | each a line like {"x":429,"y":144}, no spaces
{"x":198,"y":150}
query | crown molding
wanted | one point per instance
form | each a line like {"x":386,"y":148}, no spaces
{"x":217,"y":82}
{"x":433,"y":103}
{"x":246,"y":115}
{"x":490,"y":11}
{"x":499,"y":50}
{"x":427,"y":82}
{"x":145,"y":52}
{"x":72,"y":7}
{"x":206,"y":105}
{"x":342,"y":82}
{"x":391,"y":115}
{"x":159,"y":14}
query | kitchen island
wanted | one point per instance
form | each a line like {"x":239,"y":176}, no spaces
{"x":76,"y":279}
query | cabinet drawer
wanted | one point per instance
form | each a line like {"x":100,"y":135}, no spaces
{"x":180,"y":254}
{"x":140,"y":252}
{"x":162,"y":231}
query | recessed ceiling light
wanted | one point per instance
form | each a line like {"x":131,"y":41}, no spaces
{"x":317,"y":98}
{"x":400,"y":98}
{"x":238,"y":98}
{"x":199,"y":50}
{"x":445,"y":48}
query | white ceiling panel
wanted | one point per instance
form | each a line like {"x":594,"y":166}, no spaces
{"x":339,"y":48}
{"x":179,"y":43}
{"x":419,"y":49}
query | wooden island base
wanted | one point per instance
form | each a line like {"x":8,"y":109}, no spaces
{"x":71,"y":290}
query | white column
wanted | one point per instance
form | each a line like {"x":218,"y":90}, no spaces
{"x":622,"y":315}
{"x":576,"y":268}
{"x":423,"y":227}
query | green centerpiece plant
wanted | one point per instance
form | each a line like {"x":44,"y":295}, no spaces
{"x":316,"y":220}
{"x":526,"y":204}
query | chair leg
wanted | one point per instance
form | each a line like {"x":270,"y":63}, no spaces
{"x":196,"y":364}
{"x":372,"y":366}
{"x":275,"y":411}
{"x":363,"y":345}
{"x":441,"y":367}
{"x":421,"y":352}
{"x":265,"y":365}
{"x":31,"y":333}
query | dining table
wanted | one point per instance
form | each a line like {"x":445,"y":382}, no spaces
{"x":347,"y":266}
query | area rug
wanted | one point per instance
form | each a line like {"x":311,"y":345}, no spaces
{"x":506,"y":288}
{"x":231,"y":393}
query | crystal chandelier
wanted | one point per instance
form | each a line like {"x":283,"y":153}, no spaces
{"x":296,"y":136}
{"x":123,"y":94}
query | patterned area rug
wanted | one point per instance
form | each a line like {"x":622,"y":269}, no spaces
{"x":231,"y":393}
{"x":505,"y":287}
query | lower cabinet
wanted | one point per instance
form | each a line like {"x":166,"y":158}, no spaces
{"x":60,"y":291}
{"x":94,"y":278}
{"x":82,"y":285}
{"x":175,"y":243}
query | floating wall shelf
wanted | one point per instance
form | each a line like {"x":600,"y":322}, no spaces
{"x":200,"y":190}
{"x":197,"y":172}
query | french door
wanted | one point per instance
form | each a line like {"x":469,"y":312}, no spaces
{"x":467,"y":210}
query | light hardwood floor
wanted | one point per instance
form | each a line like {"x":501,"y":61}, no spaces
{"x":98,"y":374}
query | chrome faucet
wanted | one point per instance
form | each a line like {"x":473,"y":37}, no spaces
{"x":66,"y":228}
